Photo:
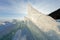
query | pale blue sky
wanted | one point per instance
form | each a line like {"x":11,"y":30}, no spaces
{"x":18,"y":8}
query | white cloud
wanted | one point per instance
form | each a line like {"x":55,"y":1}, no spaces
{"x":18,"y":6}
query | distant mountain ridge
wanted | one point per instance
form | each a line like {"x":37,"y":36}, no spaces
{"x":55,"y":14}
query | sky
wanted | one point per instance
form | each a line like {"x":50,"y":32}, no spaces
{"x":10,"y":9}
